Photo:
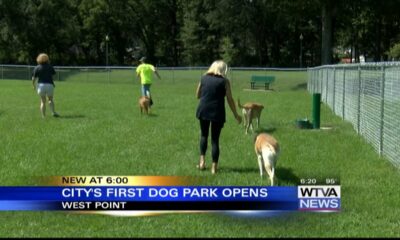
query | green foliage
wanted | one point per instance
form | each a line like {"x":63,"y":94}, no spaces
{"x":369,"y":27}
{"x":395,"y":51}
{"x":229,"y":52}
{"x":200,"y":36}
{"x":182,"y":32}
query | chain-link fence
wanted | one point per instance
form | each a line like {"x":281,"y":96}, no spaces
{"x":239,"y":76}
{"x":368,"y":96}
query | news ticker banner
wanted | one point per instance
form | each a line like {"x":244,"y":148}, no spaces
{"x":91,"y":194}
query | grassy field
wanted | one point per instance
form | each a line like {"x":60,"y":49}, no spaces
{"x":101,"y":132}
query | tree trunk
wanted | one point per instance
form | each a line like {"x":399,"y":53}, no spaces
{"x":378,"y":41}
{"x":327,"y":32}
{"x":174,"y":32}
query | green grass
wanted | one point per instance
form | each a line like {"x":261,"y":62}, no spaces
{"x":102,"y":133}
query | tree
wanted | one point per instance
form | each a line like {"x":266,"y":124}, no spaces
{"x":200,"y":36}
{"x":394,"y":52}
{"x":13,"y":20}
{"x":327,"y":8}
{"x":31,"y":27}
{"x":184,"y":32}
{"x":228,"y":51}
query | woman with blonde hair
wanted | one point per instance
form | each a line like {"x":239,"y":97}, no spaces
{"x":212,"y":90}
{"x":43,"y":74}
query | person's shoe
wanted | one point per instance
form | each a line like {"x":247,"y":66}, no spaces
{"x":202,"y":165}
{"x":214,"y":168}
{"x":151,"y":102}
{"x":56,"y":115}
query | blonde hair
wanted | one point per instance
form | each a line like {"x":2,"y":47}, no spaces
{"x":218,"y":67}
{"x":42,"y":58}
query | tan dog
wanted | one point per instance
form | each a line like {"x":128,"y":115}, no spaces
{"x":267,"y":150}
{"x":144,"y":104}
{"x":251,"y":111}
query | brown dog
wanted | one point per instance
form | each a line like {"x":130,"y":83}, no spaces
{"x":267,"y":150}
{"x":144,"y":104}
{"x":250,"y":111}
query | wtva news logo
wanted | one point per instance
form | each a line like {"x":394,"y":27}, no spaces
{"x":319,"y":198}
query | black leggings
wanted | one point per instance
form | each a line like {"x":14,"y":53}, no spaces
{"x":216,"y":128}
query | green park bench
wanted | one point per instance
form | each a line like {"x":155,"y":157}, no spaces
{"x":264,"y":80}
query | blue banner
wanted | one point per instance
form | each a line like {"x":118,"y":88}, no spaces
{"x":158,"y":193}
{"x":162,"y":198}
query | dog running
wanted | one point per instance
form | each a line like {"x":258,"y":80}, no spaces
{"x":144,"y":105}
{"x":250,"y":111}
{"x":267,"y":151}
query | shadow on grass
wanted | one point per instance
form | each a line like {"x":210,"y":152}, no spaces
{"x":268,"y":130}
{"x":281,"y":173}
{"x":72,"y":116}
{"x":149,"y":115}
{"x":240,"y":170}
{"x":286,"y":175}
{"x":301,"y":86}
{"x":265,"y":130}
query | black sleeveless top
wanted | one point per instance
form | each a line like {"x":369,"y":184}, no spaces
{"x":45,"y":73}
{"x":212,"y":98}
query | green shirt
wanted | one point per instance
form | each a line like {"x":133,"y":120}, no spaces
{"x":146,"y":73}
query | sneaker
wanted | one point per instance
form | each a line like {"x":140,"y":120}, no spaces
{"x":56,"y":115}
{"x":214,"y":168}
{"x":151,"y":102}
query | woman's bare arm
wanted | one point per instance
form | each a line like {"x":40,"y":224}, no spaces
{"x":198,"y":91}
{"x":231,"y":102}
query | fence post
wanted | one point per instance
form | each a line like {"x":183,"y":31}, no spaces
{"x":343,"y":91}
{"x":321,"y":81}
{"x":326,"y":85}
{"x":382,"y":110}
{"x":316,"y":80}
{"x":173,"y":74}
{"x":359,"y":100}
{"x":311,"y":83}
{"x":334,"y":88}
{"x":108,"y":74}
{"x":312,"y":80}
